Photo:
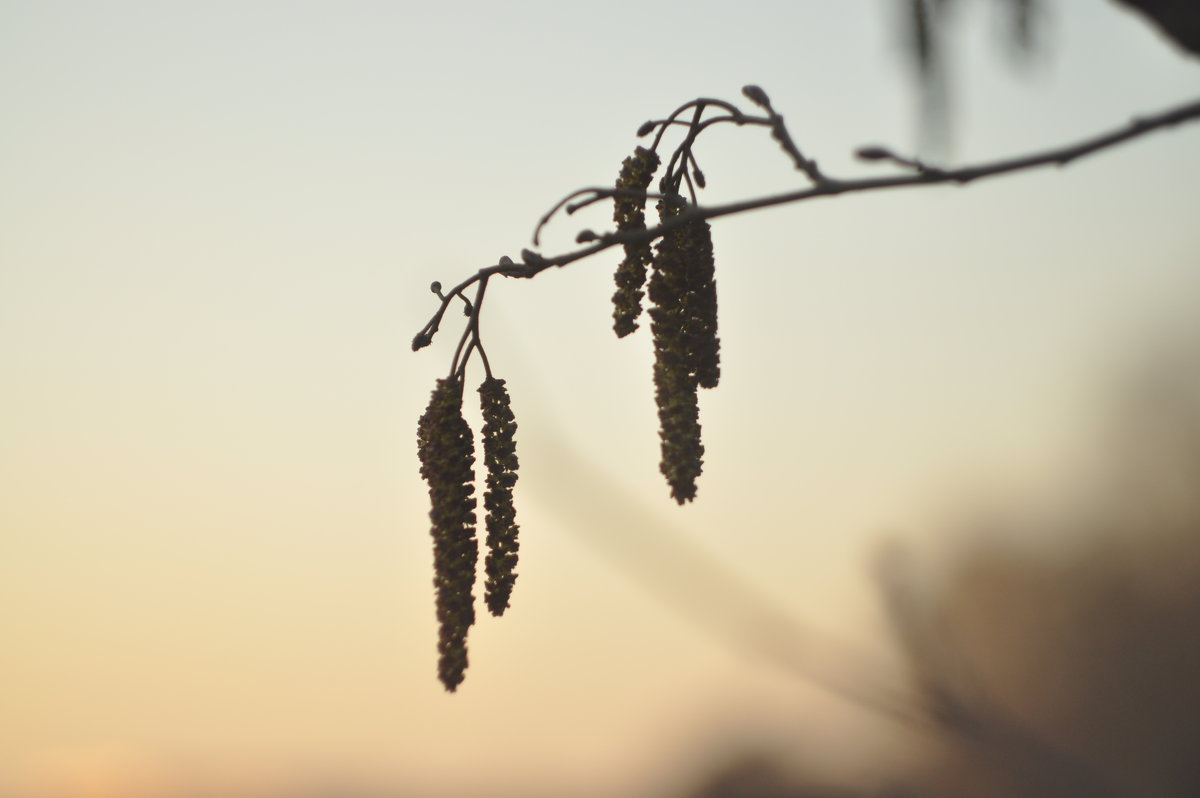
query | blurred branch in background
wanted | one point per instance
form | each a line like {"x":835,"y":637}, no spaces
{"x":926,"y":29}
{"x":1178,"y":20}
{"x":664,"y":562}
{"x":1055,"y":673}
{"x":1065,"y":670}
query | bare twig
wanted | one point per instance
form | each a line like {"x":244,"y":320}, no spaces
{"x":780,"y":133}
{"x":590,"y":196}
{"x":824,"y":186}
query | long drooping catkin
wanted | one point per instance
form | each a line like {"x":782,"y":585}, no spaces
{"x":674,"y":384}
{"x":700,"y":305}
{"x":629,"y":213}
{"x":447,"y":453}
{"x":683,"y":322}
{"x":500,"y":457}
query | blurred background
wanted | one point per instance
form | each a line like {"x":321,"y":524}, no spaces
{"x":945,"y":536}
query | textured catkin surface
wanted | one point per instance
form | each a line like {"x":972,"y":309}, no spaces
{"x":700,"y":305}
{"x":629,"y":214}
{"x":447,"y":452}
{"x":500,"y":458}
{"x":674,"y":381}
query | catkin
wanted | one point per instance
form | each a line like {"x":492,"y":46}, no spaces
{"x":687,"y":356}
{"x":500,"y":457}
{"x":447,"y":454}
{"x":674,"y":381}
{"x":629,"y":213}
{"x":704,"y":348}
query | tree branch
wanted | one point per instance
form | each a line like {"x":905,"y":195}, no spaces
{"x":533,"y":263}
{"x":684,"y":332}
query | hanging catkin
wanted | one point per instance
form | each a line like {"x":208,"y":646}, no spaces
{"x":629,"y":213}
{"x":500,"y":458}
{"x":447,"y":453}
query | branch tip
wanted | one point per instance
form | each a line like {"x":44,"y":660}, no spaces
{"x":756,"y":95}
{"x":874,"y":154}
{"x":532,"y":259}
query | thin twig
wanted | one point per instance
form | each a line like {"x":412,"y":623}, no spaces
{"x":594,"y":194}
{"x":700,"y":102}
{"x":829,"y":187}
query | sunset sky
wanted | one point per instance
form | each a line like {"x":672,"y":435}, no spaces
{"x":218,"y":225}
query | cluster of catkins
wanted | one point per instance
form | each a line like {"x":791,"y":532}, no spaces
{"x":683,"y":325}
{"x":447,"y":452}
{"x":683,"y":314}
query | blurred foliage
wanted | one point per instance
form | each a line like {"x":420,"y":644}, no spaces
{"x":926,"y":27}
{"x":1071,"y":671}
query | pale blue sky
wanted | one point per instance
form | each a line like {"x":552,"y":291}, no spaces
{"x":219,"y":223}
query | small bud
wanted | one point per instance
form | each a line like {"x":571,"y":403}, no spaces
{"x":436,"y":287}
{"x":757,"y":96}
{"x":531,"y":258}
{"x":874,"y":154}
{"x":646,"y":127}
{"x":506,"y":261}
{"x":585,"y":236}
{"x":698,"y":176}
{"x":422,"y":340}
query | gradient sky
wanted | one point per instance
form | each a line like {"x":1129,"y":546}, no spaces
{"x":219,"y":221}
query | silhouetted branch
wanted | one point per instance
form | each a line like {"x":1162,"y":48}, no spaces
{"x":677,"y":277}
{"x":824,"y":187}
